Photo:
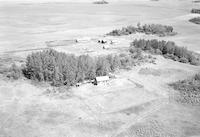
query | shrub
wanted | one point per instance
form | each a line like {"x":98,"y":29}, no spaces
{"x":157,"y":51}
{"x":197,"y":77}
{"x":114,"y":33}
{"x":132,"y":49}
{"x":14,"y":72}
{"x":170,"y":56}
{"x":183,"y":60}
{"x":136,"y":52}
{"x":195,"y":62}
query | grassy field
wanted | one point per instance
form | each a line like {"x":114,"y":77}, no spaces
{"x":135,"y":103}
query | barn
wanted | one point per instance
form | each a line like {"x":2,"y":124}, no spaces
{"x":100,"y":79}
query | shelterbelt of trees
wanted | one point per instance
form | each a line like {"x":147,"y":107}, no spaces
{"x":60,"y":68}
{"x":67,"y":69}
{"x":195,"y":11}
{"x":195,"y":20}
{"x":168,"y":49}
{"x":155,"y":29}
{"x":189,"y":90}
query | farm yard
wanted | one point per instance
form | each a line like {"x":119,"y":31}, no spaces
{"x":108,"y":109}
{"x":62,"y":75}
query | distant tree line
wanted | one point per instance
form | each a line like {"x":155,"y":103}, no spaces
{"x":67,"y":69}
{"x":195,"y":20}
{"x":101,"y":2}
{"x":195,"y":11}
{"x":168,"y":49}
{"x":155,"y":29}
{"x":189,"y":90}
{"x":196,"y":1}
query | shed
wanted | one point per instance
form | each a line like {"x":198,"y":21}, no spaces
{"x":101,"y":79}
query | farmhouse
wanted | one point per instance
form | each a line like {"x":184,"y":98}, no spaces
{"x":100,"y":79}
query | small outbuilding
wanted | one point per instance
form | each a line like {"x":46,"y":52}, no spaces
{"x":100,"y":79}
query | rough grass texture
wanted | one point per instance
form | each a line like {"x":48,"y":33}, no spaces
{"x":189,"y":91}
{"x":151,"y":128}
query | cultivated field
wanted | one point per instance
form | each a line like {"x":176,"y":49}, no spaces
{"x":27,"y":26}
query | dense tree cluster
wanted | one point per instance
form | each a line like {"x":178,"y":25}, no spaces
{"x":124,"y":31}
{"x":101,"y":2}
{"x":68,"y":69}
{"x":168,"y":49}
{"x":195,"y":11}
{"x":155,"y":29}
{"x":196,"y":1}
{"x":189,"y":90}
{"x":195,"y":20}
